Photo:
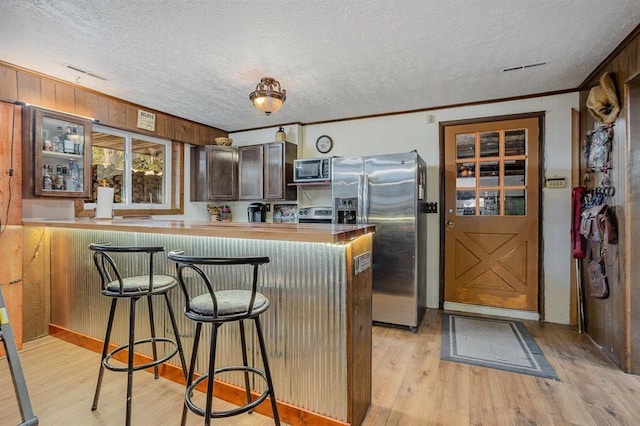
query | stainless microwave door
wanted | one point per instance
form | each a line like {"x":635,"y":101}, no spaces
{"x":307,"y":170}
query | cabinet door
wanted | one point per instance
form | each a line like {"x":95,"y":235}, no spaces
{"x":274,"y":171}
{"x":251,"y":172}
{"x":222,"y":173}
{"x":57,"y":154}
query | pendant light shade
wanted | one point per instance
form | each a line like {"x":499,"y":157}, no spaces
{"x":268,"y":96}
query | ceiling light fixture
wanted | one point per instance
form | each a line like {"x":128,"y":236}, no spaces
{"x":268,"y":96}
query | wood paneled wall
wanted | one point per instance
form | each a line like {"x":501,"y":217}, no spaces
{"x":11,"y":215}
{"x":613,"y":323}
{"x":22,"y":85}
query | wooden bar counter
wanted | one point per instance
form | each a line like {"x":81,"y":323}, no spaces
{"x":317,"y":330}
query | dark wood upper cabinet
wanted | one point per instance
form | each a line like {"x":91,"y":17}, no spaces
{"x":265,"y":171}
{"x":214,"y":173}
{"x":251,"y":171}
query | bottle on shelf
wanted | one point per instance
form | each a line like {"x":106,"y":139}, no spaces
{"x":69,"y":182}
{"x":76,"y":141}
{"x":74,"y":177}
{"x":58,"y":140}
{"x":58,"y":181}
{"x":47,"y":183}
{"x":68,"y":144}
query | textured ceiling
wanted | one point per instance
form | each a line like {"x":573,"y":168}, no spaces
{"x":336,"y":59}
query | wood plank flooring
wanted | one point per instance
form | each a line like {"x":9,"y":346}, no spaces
{"x":411,"y":386}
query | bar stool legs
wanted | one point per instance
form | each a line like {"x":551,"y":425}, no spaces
{"x":267,"y":371}
{"x":192,"y":367}
{"x":208,"y":412}
{"x":243,"y":342}
{"x":105,"y":349}
{"x":106,"y":355}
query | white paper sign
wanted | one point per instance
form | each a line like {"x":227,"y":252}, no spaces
{"x":362,"y":262}
{"x":146,"y":120}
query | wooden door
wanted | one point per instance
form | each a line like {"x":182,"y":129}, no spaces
{"x":251,"y":172}
{"x":274,"y":184}
{"x":222,"y":172}
{"x":491,"y":214}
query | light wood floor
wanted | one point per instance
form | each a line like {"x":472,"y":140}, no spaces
{"x":411,"y":386}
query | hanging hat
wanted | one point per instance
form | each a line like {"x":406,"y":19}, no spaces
{"x":603,"y":101}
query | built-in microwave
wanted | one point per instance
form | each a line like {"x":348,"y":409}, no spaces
{"x":312,"y":170}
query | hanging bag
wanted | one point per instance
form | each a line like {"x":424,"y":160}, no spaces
{"x":598,"y":228}
{"x":598,"y":147}
{"x":597,"y":279}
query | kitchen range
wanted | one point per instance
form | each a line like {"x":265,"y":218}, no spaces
{"x":315,"y":215}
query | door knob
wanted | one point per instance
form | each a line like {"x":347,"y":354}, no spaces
{"x":450,"y":223}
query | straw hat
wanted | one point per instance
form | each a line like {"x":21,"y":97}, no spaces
{"x":603,"y":101}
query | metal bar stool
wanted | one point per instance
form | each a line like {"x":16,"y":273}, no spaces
{"x":219,"y":307}
{"x":116,"y":286}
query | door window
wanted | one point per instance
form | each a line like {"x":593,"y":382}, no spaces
{"x":491,"y":173}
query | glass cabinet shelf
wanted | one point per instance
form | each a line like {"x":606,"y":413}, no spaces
{"x":57,"y":160}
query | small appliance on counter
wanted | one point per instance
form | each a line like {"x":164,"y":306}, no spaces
{"x":315,"y":215}
{"x":257,"y":212}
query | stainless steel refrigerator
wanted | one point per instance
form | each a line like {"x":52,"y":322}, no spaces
{"x":388,"y":191}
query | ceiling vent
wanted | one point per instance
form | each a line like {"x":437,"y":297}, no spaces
{"x":524,"y":67}
{"x":85,"y":72}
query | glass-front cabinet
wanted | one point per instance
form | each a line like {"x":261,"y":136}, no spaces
{"x":57,"y":154}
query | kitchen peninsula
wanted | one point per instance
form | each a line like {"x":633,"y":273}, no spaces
{"x":317,"y":330}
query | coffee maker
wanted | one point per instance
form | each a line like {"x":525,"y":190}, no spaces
{"x":257,"y":212}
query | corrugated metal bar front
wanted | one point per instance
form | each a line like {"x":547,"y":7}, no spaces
{"x":305,"y":327}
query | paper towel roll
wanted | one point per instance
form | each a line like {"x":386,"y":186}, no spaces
{"x":104,"y":205}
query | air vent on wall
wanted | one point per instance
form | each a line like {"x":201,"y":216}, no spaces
{"x":85,"y":72}
{"x":524,"y":67}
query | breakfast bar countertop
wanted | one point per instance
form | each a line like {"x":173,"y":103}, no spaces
{"x":322,"y":233}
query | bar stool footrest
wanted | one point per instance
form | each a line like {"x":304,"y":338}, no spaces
{"x":146,"y":365}
{"x":228,"y":413}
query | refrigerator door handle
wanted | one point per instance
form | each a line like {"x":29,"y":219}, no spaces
{"x":365,"y":199}
{"x":359,"y":206}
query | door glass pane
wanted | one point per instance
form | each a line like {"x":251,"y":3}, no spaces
{"x":466,"y":146}
{"x":515,"y":202}
{"x":489,"y":144}
{"x":147,"y":184}
{"x":514,"y":142}
{"x":465,"y":203}
{"x":489,"y":173}
{"x":108,"y":164}
{"x":514,"y":173}
{"x":466,"y":175}
{"x":489,"y":203}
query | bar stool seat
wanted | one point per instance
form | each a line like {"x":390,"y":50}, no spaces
{"x":134,"y":288}
{"x":218,"y":307}
{"x":230,"y":302}
{"x":140,"y":283}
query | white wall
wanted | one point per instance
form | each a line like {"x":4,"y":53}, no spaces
{"x":420,"y":131}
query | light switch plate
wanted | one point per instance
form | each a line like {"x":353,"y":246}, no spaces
{"x":556,"y":182}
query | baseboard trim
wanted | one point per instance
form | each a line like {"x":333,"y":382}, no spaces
{"x":288,"y":413}
{"x":489,"y":310}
